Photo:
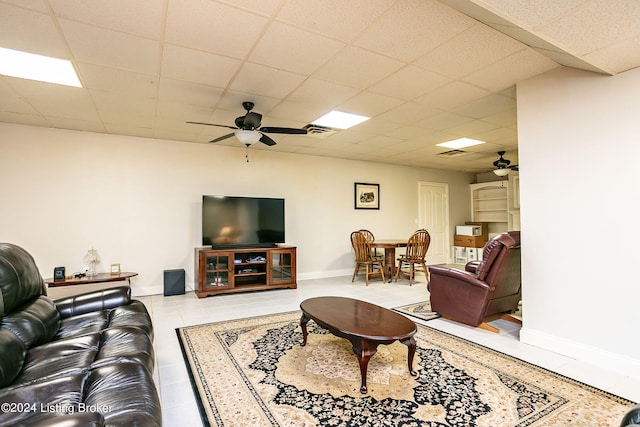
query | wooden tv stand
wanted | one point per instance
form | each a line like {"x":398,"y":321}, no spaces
{"x":231,"y":270}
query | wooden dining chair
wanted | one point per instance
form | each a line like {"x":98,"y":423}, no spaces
{"x":370,"y":239}
{"x":414,"y":256}
{"x":371,"y":265}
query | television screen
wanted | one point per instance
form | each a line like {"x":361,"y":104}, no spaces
{"x":242,"y":221}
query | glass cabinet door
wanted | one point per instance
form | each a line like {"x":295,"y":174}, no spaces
{"x":282,"y":267}
{"x":217,"y":270}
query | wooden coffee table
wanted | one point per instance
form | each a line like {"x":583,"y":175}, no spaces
{"x":364,"y":324}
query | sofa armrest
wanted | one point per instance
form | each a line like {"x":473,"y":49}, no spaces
{"x":93,"y":301}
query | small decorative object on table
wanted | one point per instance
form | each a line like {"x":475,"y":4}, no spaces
{"x":115,"y":268}
{"x":58,"y":273}
{"x":92,"y":258}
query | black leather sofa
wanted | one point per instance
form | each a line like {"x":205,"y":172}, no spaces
{"x":85,"y":360}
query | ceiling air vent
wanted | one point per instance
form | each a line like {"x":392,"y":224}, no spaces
{"x":318,"y":131}
{"x":452,"y":153}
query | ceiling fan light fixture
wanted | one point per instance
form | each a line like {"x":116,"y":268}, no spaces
{"x":502,"y":171}
{"x":248,"y":136}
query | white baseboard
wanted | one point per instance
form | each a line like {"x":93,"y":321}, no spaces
{"x":620,"y":363}
{"x":325,"y":274}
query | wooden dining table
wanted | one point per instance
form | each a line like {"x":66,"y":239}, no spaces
{"x":389,"y":246}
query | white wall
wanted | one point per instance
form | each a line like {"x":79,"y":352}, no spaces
{"x":579,"y":147}
{"x":138,"y":201}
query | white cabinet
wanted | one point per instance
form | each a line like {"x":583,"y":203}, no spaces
{"x":462,"y":255}
{"x":492,"y":202}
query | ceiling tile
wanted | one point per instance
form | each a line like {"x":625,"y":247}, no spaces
{"x":469,"y":51}
{"x":369,"y":104}
{"x":110,"y":48}
{"x":509,"y":71}
{"x":410,"y":82}
{"x":117,"y":81}
{"x":357,"y":68}
{"x":322,"y":92}
{"x":267,"y":81}
{"x":140,"y":17}
{"x":407,"y":113}
{"x":452,"y":95}
{"x":312,"y":50}
{"x":622,"y":56}
{"x":213,"y":27}
{"x":180,"y":63}
{"x":334,"y":18}
{"x":30,"y":31}
{"x":189,"y":93}
{"x":411,"y":28}
{"x":596,"y":16}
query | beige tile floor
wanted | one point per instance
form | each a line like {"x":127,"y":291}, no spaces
{"x":178,"y":402}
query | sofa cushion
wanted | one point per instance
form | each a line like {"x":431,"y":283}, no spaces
{"x":57,"y":358}
{"x":12,"y":355}
{"x":125,"y":343}
{"x":20,"y":280}
{"x":134,"y":314}
{"x":109,"y":386}
{"x":89,"y":323}
{"x":63,"y":392}
{"x":35,"y":323}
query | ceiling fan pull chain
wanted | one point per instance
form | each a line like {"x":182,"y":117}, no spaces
{"x":246,"y":154}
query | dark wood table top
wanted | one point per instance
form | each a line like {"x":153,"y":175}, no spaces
{"x":351,"y":317}
{"x":98,"y":278}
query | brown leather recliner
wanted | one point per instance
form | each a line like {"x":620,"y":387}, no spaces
{"x":485,"y":290}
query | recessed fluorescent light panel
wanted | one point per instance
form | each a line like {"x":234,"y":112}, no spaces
{"x":460,"y":143}
{"x":30,"y":66}
{"x":339,"y":120}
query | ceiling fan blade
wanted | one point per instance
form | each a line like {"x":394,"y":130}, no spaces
{"x":291,"y":131}
{"x":212,"y":124}
{"x":267,"y":141}
{"x":252,"y":120}
{"x":229,"y":135}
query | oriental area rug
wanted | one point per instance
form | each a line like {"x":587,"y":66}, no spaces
{"x":420,"y":310}
{"x":253,"y":372}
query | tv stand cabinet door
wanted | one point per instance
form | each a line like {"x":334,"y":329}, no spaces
{"x":282,"y":266}
{"x":214,"y":272}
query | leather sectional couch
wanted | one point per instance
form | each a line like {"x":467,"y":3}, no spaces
{"x":85,"y":360}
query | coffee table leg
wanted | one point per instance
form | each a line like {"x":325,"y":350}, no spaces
{"x":303,"y":324}
{"x":364,"y":350}
{"x":411,"y":344}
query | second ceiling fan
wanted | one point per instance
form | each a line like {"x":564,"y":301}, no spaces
{"x":248,"y":130}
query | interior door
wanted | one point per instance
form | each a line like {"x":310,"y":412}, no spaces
{"x":433,"y":215}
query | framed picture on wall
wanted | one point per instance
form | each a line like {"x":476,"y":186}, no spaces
{"x":366,"y":196}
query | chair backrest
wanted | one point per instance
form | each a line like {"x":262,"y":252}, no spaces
{"x":418,"y":245}
{"x":360,"y":246}
{"x":368,"y":235}
{"x":500,"y":266}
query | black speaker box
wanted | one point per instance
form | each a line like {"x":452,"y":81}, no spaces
{"x":174,"y":282}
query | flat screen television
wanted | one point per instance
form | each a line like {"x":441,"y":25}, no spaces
{"x":230,"y":221}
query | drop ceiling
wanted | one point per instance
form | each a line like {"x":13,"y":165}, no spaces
{"x":425,"y":71}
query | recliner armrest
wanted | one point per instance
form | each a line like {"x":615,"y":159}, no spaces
{"x":93,"y":301}
{"x":453,"y":273}
{"x":472,"y":266}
